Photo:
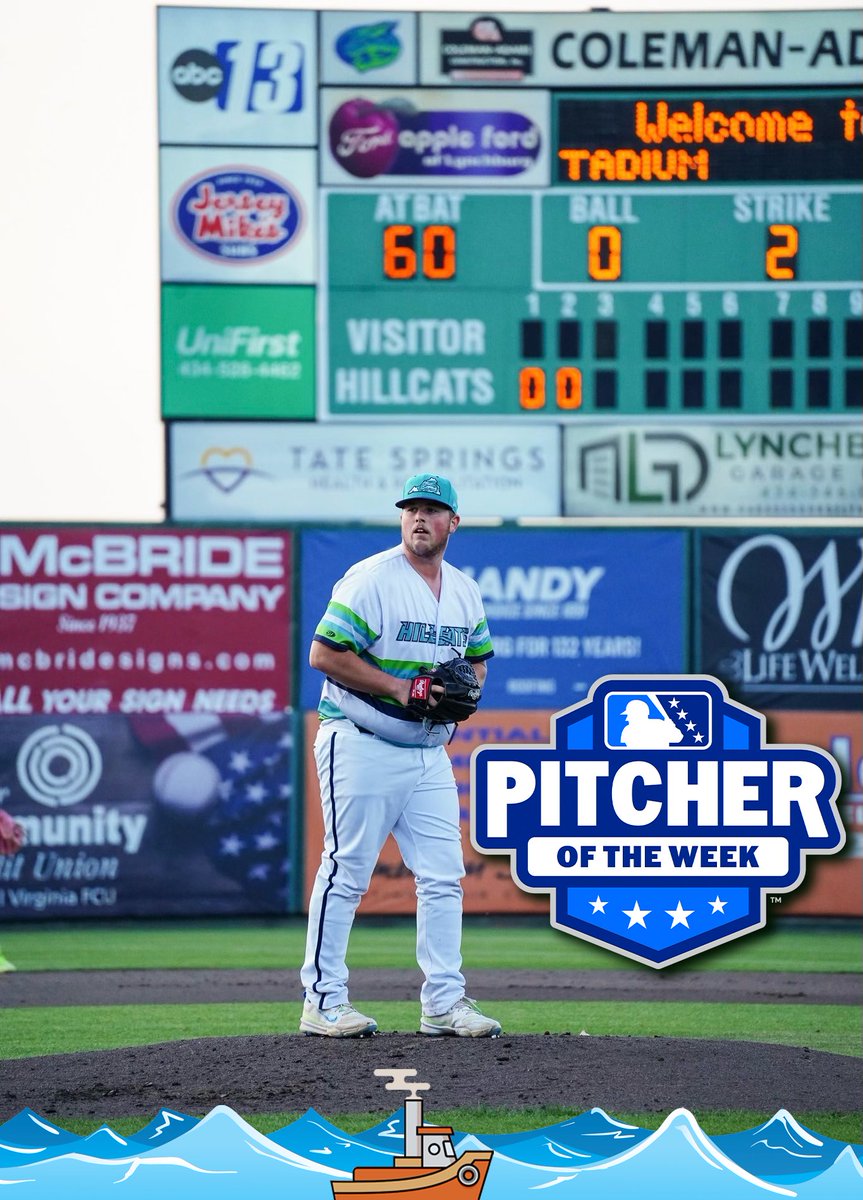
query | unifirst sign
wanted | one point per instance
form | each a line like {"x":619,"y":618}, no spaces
{"x":658,"y":818}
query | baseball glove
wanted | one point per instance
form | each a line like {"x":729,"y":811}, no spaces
{"x":449,"y":692}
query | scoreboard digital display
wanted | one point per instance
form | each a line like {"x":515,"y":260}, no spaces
{"x":694,"y":252}
{"x":538,"y":216}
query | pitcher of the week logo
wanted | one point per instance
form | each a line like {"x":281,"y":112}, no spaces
{"x":403,"y":646}
{"x":11,"y":841}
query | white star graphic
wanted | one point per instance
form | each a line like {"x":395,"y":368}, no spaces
{"x":598,"y":905}
{"x":231,"y":845}
{"x":636,"y":915}
{"x":690,"y":725}
{"x":265,"y":841}
{"x":678,"y":915}
{"x":717,"y":905}
{"x":256,"y":793}
{"x":683,"y":714}
{"x":699,"y":737}
{"x":673,"y":703}
{"x":240,"y":762}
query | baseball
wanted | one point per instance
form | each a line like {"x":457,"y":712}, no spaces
{"x":186,"y":784}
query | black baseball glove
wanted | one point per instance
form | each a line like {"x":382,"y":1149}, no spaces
{"x":449,"y":692}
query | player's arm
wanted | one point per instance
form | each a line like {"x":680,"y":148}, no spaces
{"x":481,"y":669}
{"x":480,"y":650}
{"x":348,"y":669}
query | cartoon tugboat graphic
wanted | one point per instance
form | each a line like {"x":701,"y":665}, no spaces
{"x":428,"y":1169}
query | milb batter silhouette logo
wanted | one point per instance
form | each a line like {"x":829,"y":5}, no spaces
{"x":657,"y":818}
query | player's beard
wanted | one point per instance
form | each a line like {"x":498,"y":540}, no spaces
{"x":431,"y":543}
{"x":427,"y":546}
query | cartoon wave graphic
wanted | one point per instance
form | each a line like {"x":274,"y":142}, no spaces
{"x":588,"y":1157}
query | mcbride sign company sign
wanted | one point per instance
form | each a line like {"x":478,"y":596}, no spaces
{"x":143,"y":620}
{"x":657,"y":819}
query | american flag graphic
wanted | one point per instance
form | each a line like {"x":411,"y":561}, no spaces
{"x":246,"y":831}
{"x":676,"y":720}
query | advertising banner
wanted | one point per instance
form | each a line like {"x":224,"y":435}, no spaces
{"x":237,"y":215}
{"x":487,"y":885}
{"x":369,"y":46}
{"x":564,"y":607}
{"x":713,"y":469}
{"x":434,"y":137}
{"x":777,"y":617}
{"x":229,"y":77}
{"x":147,"y":815}
{"x":599,"y":48}
{"x":101,"y":619}
{"x":834,"y":886}
{"x":308,"y":472}
{"x":238,"y":351}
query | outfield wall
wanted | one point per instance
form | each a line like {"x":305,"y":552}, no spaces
{"x":157,"y":708}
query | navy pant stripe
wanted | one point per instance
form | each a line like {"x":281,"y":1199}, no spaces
{"x":335,"y":867}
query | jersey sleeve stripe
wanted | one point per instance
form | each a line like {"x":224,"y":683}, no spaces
{"x":480,"y":645}
{"x":341,"y":625}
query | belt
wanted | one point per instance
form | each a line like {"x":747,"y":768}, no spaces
{"x":371,"y":733}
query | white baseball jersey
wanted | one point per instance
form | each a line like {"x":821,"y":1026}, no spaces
{"x":385,"y":612}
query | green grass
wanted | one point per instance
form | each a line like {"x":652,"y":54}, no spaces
{"x":845,"y":1127}
{"x":831,"y":1027}
{"x":386,"y":943}
{"x":279,"y":944}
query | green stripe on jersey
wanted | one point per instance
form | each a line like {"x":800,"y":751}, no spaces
{"x":340,"y":623}
{"x":484,"y":646}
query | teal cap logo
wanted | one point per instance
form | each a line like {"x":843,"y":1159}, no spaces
{"x":429,"y":487}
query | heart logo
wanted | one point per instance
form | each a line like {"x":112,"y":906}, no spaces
{"x":226,"y":468}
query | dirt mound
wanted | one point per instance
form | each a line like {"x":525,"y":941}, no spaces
{"x":290,"y":1073}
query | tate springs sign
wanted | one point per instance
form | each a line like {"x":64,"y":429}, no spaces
{"x":657,"y":819}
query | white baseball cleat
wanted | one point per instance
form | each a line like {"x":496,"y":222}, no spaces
{"x":463,"y":1020}
{"x":342,"y":1020}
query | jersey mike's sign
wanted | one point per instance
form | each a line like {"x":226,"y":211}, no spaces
{"x":237,"y":214}
{"x":657,"y":819}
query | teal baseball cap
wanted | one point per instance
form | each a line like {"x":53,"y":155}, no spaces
{"x":429,"y":487}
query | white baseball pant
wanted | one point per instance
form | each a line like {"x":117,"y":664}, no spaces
{"x":369,"y":789}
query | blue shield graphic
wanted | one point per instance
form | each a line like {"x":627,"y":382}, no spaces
{"x":657,"y":818}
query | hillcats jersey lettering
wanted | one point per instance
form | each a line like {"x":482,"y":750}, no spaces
{"x":386,"y":613}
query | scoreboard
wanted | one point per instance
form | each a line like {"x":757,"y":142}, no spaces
{"x":544,"y":217}
{"x":693,"y":252}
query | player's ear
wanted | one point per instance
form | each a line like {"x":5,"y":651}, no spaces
{"x":454,"y":522}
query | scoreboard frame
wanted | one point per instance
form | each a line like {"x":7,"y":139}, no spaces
{"x":763,"y":183}
{"x":525,"y":216}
